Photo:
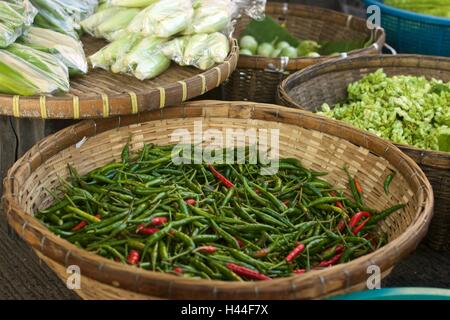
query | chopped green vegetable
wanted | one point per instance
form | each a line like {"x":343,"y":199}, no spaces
{"x":404,"y":109}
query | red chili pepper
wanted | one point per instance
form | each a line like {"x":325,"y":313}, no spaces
{"x":261,"y":253}
{"x":294,"y":253}
{"x":248,"y":273}
{"x":340,"y":248}
{"x":332,"y":261}
{"x":178,"y":270}
{"x":147,"y":231}
{"x":358,"y":186}
{"x":158,"y":221}
{"x":207,"y":249}
{"x":191,"y":202}
{"x":341,"y":225}
{"x":83,"y":224}
{"x":240,"y":243}
{"x":80,"y":226}
{"x":339,"y":204}
{"x":286,"y":202}
{"x":356,"y":219}
{"x":133,"y":257}
{"x":222,"y":179}
{"x":299,"y":271}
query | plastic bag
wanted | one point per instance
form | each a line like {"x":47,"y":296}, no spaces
{"x":145,"y":60}
{"x":164,"y":18}
{"x":52,"y":15}
{"x":15,"y":18}
{"x":132,"y":3}
{"x":210,"y":16}
{"x":26,"y":71}
{"x":174,"y":49}
{"x":200,"y":50}
{"x":67,"y":49}
{"x":117,"y":23}
{"x":91,"y":23}
{"x":110,"y":54}
{"x":78,"y":10}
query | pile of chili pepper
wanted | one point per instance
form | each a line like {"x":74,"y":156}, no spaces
{"x":225,"y":222}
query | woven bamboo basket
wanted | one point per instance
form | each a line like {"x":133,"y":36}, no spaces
{"x":329,"y":146}
{"x":102,"y":94}
{"x":256,"y":78}
{"x":327,"y":83}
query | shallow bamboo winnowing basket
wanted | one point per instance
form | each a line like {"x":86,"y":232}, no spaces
{"x":103,"y":94}
{"x":320,"y":143}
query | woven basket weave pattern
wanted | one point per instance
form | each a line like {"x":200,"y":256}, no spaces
{"x":102,"y":94}
{"x":328,"y":83}
{"x":252,"y":81}
{"x":319,"y":143}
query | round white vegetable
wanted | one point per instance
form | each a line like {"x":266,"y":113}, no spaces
{"x":289,"y":52}
{"x":282,"y":44}
{"x":245,"y":52}
{"x":265,"y":49}
{"x":249,"y":43}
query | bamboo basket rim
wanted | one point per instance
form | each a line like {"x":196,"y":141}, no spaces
{"x":105,"y":105}
{"x":399,"y":247}
{"x":378,"y":36}
{"x":435,"y":158}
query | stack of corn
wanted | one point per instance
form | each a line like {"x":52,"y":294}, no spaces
{"x":39,"y":44}
{"x":146,"y":34}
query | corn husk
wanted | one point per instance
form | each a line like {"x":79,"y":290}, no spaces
{"x":67,"y":49}
{"x":15,"y":18}
{"x":78,"y":10}
{"x":204,"y":50}
{"x":26,"y":71}
{"x":219,"y":46}
{"x":145,"y":60}
{"x":132,"y":3}
{"x":52,"y":15}
{"x":163,"y":19}
{"x":113,"y":36}
{"x":174,"y":49}
{"x":110,"y":54}
{"x":210,"y":16}
{"x":116,"y":23}
{"x":91,"y":23}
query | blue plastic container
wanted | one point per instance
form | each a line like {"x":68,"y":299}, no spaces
{"x":398,"y":294}
{"x":410,"y":32}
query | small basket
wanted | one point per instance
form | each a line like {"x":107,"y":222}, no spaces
{"x":329,"y":144}
{"x":410,"y":32}
{"x":256,"y":78}
{"x":103,"y":94}
{"x":353,"y":7}
{"x":328,"y":82}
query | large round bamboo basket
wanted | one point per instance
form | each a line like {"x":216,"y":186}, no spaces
{"x":329,"y":145}
{"x":256,"y":78}
{"x":328,"y":82}
{"x":103,"y":94}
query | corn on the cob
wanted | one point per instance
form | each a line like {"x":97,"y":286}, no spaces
{"x":164,"y":18}
{"x":15,"y":18}
{"x":26,"y":71}
{"x":210,"y":16}
{"x":53,"y":16}
{"x":67,"y":49}
{"x":107,"y":56}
